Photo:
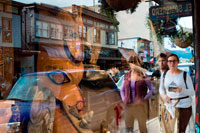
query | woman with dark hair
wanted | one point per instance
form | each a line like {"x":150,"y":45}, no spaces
{"x":134,"y":95}
{"x":177,"y":91}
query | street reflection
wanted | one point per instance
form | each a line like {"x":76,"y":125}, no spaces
{"x":64,"y":69}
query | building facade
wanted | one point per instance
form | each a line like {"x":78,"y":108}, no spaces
{"x":10,"y":40}
{"x":99,"y":37}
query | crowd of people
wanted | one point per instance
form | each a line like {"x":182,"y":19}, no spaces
{"x":175,"y":89}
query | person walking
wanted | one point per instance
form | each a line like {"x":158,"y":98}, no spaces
{"x":174,"y":90}
{"x":162,"y":62}
{"x":134,"y":95}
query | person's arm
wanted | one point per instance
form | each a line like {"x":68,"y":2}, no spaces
{"x":122,"y":91}
{"x":162,"y":92}
{"x":151,"y":88}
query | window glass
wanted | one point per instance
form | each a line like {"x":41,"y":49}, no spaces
{"x":53,"y":31}
{"x":97,"y":35}
{"x":45,"y":31}
{"x":59,"y":32}
{"x":85,"y":33}
{"x":96,"y":66}
{"x":38,"y":28}
{"x":110,"y":38}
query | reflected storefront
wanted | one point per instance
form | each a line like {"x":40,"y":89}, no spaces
{"x":64,"y":69}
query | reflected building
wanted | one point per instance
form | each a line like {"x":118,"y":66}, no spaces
{"x":50,"y":39}
{"x":99,"y":37}
{"x":10,"y":40}
{"x":142,"y":47}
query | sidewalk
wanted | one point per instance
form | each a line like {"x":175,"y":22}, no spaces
{"x":153,"y":126}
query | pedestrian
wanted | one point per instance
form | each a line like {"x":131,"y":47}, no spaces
{"x":134,"y":95}
{"x":156,"y":104}
{"x":162,"y":62}
{"x":177,"y":92}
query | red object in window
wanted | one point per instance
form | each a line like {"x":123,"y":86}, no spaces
{"x":118,"y":110}
{"x":197,"y":118}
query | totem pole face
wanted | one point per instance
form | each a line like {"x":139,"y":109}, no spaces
{"x":59,"y":59}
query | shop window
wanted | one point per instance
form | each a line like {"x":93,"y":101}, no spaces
{"x":42,"y":29}
{"x":110,"y":38}
{"x":97,"y":35}
{"x":7,"y":30}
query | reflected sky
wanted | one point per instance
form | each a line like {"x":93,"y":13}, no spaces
{"x":125,"y":27}
{"x":63,"y":3}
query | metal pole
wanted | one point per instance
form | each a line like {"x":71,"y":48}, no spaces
{"x":197,"y":59}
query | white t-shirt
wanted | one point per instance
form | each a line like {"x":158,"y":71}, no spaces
{"x":175,"y":81}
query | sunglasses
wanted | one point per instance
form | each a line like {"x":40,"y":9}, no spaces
{"x":58,"y":77}
{"x":132,"y":62}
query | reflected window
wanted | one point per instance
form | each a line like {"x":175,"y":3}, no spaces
{"x":42,"y":29}
{"x":7,"y":29}
{"x":53,"y":31}
{"x":56,"y":31}
{"x":110,"y":38}
{"x":97,"y":35}
{"x":80,"y":31}
{"x":68,"y":33}
{"x":85,"y":33}
{"x":142,"y":46}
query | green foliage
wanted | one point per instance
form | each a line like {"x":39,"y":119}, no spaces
{"x":165,"y":28}
{"x":182,"y":37}
{"x":110,"y":13}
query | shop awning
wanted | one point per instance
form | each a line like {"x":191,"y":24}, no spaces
{"x":55,"y":52}
{"x":127,"y":53}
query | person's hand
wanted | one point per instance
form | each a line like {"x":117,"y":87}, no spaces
{"x":178,"y":89}
{"x":145,"y":99}
{"x":165,"y":98}
{"x":132,"y":66}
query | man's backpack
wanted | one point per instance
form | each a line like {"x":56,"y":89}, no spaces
{"x":184,"y":77}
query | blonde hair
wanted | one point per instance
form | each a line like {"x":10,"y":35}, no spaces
{"x":135,"y":60}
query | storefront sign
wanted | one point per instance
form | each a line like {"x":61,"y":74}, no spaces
{"x":172,"y":10}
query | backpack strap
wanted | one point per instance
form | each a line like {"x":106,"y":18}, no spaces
{"x":185,"y":77}
{"x":164,"y":79}
{"x":164,"y":76}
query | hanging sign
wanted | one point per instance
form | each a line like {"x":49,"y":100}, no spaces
{"x":174,"y":10}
